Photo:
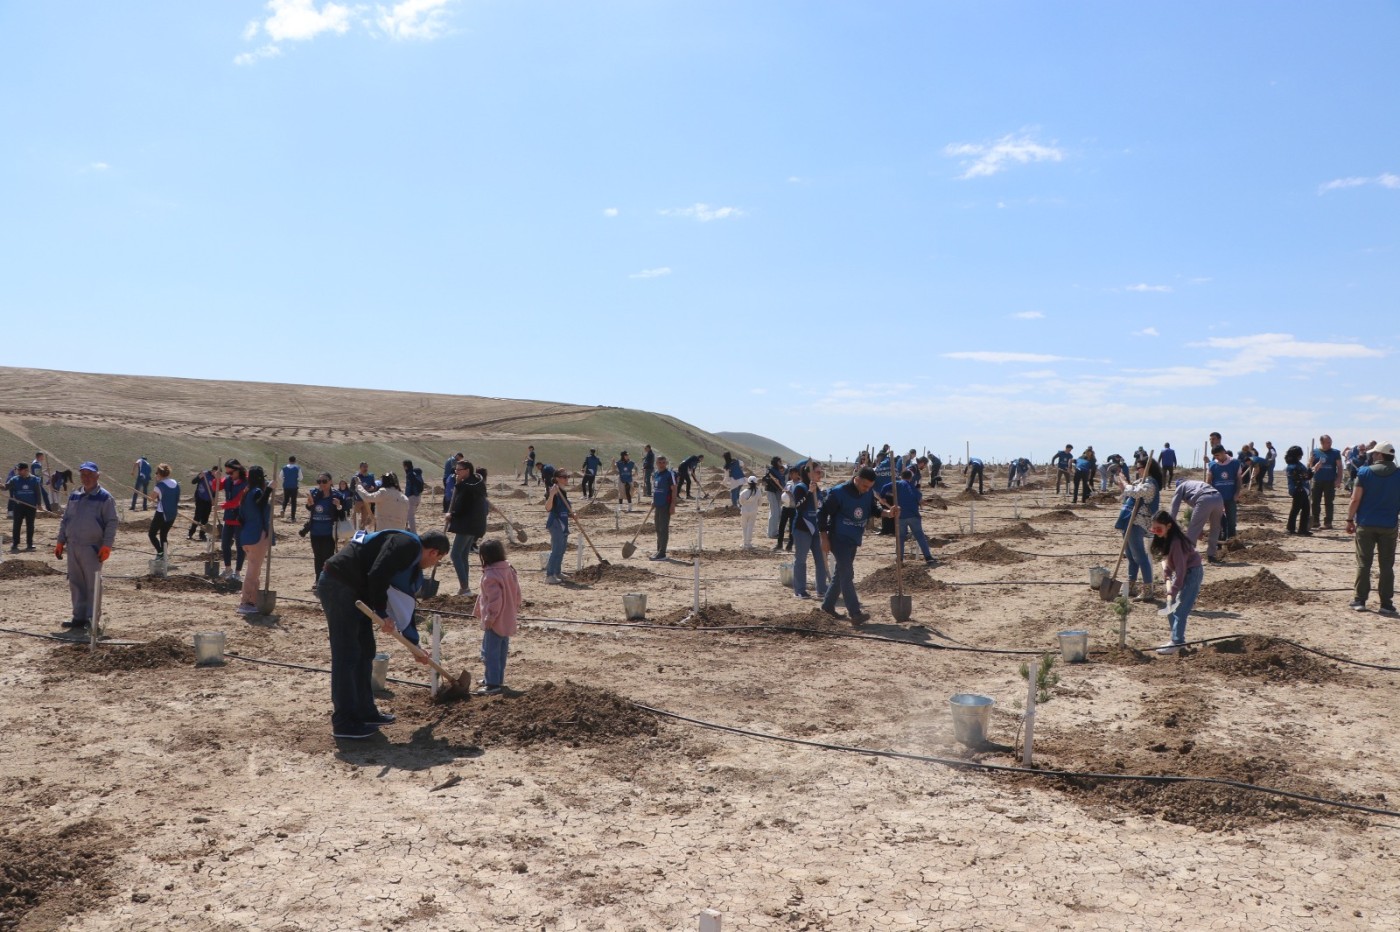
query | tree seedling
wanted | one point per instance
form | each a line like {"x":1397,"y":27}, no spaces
{"x":1045,"y":677}
{"x":1122,"y":608}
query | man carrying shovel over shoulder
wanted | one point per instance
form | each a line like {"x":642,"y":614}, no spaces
{"x":842,"y":525}
{"x":385,"y":571}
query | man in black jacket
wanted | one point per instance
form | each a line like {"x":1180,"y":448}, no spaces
{"x":466,"y":520}
{"x":366,"y":569}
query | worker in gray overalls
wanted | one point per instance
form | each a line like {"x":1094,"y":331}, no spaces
{"x":87,"y":532}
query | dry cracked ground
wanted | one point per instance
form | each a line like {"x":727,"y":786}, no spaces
{"x":142,"y":792}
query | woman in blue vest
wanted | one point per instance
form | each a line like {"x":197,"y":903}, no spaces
{"x":625,"y":470}
{"x":167,"y":496}
{"x":254,"y":535}
{"x":556,"y":505}
{"x":325,"y":508}
{"x":234,"y":484}
{"x":807,"y":498}
{"x":734,"y":469}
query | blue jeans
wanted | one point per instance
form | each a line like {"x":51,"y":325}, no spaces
{"x":844,"y":581}
{"x":1185,"y":601}
{"x":913,"y":525}
{"x":558,"y":542}
{"x":1139,"y":560}
{"x":493,"y":657}
{"x":461,"y":558}
{"x":807,"y":543}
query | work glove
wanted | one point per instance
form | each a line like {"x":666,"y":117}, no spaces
{"x":103,"y":553}
{"x":58,"y":551}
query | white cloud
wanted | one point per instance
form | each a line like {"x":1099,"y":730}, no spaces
{"x":1001,"y":357}
{"x":661,"y":272}
{"x":758,"y":391}
{"x":1148,"y":332}
{"x":795,"y":179}
{"x":98,"y":167}
{"x":983,"y":160}
{"x":703,"y":212}
{"x":610,"y":211}
{"x":414,"y":19}
{"x":1384,"y":180}
{"x":257,"y":55}
{"x":1028,"y":315}
{"x":1140,"y":287}
{"x":1040,"y":374}
{"x":1200,"y":280}
{"x":1261,"y":352}
{"x":299,"y":20}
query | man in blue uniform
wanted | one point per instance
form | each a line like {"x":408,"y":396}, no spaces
{"x":26,"y":495}
{"x":625,"y":470}
{"x":413,"y":489}
{"x":86,"y":534}
{"x":1167,"y":460}
{"x":591,"y":464}
{"x":291,"y":486}
{"x":975,"y":475}
{"x":529,"y":465}
{"x":841,"y":522}
{"x":1325,"y":465}
{"x":141,"y":482}
{"x":1373,"y":516}
{"x":1063,"y":463}
{"x":1225,"y":479}
{"x":665,"y":494}
{"x":687,"y":472}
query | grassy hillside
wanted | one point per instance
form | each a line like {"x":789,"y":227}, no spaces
{"x":192,"y":423}
{"x":769,"y":448}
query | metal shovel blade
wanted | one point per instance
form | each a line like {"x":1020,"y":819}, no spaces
{"x":1110,"y":589}
{"x":902,"y":607}
{"x":430,"y":588}
{"x":628,"y":549}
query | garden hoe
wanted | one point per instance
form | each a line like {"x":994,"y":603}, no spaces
{"x":630,"y":547}
{"x":453,"y":687}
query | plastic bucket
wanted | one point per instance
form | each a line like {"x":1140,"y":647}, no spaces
{"x":785,"y":574}
{"x":971,"y":713}
{"x":1097,"y":574}
{"x":209,"y":648}
{"x":379,"y":673}
{"x":1074,"y":646}
{"x":634,"y":606}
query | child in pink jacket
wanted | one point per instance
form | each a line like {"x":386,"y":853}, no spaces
{"x":497,"y":601}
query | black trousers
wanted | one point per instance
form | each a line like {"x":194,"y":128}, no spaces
{"x":352,"y":656}
{"x":1298,"y":514}
{"x":160,"y":530}
{"x":586,"y":486}
{"x":322,"y":549}
{"x":1083,"y":480}
{"x":23,"y":516}
{"x":202,"y":510}
{"x":1323,"y":490}
{"x":683,"y":478}
{"x":290,"y":495}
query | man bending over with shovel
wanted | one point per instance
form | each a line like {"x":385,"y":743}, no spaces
{"x":385,"y":571}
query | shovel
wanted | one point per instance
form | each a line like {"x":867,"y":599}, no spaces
{"x":1111,"y":587}
{"x":453,"y":687}
{"x":430,"y":585}
{"x":630,"y":547}
{"x":584,"y":531}
{"x":520,"y":536}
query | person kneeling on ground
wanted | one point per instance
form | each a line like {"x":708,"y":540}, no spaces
{"x":497,"y":603}
{"x":383,"y":569}
{"x":842,"y":525}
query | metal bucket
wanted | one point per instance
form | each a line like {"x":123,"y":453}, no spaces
{"x":379,"y":673}
{"x":267,"y":601}
{"x":785,"y":574}
{"x":1074,"y":646}
{"x":157,"y":567}
{"x":634,"y":606}
{"x":1097,"y":574}
{"x":211,"y":569}
{"x":209,"y":648}
{"x":971,"y":713}
{"x":544,"y":560}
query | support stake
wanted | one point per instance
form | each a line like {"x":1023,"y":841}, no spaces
{"x":435,"y":625}
{"x":696,"y":606}
{"x":1030,"y":715}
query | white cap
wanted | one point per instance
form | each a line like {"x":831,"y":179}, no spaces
{"x":1387,"y":448}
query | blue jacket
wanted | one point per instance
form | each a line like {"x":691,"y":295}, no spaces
{"x":90,"y":519}
{"x":1226,"y":478}
{"x":25,"y":489}
{"x":1327,"y":462}
{"x":1380,"y":495}
{"x":254,"y":516}
{"x":1298,"y":476}
{"x":591,"y":463}
{"x":325,"y":508}
{"x":1167,"y":458}
{"x":663,"y":488}
{"x":845,"y":512}
{"x":169,"y":491}
{"x":735,"y":469}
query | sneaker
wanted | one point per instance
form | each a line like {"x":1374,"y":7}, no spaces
{"x":14,"y":550}
{"x":227,"y":573}
{"x":355,"y":732}
{"x":489,"y":690}
{"x":657,"y":557}
{"x":859,"y":618}
{"x":832,"y":612}
{"x":1215,"y":561}
{"x":931,"y":561}
{"x":29,"y":549}
{"x":1305,"y":533}
{"x":801,"y":595}
{"x":1388,"y":609}
{"x":552,"y":580}
{"x":247,"y":609}
{"x":1358,"y":605}
{"x":1168,"y":649}
{"x":236,"y":578}
{"x":74,"y":623}
{"x":778,"y":546}
{"x":383,"y":718}
{"x":464,"y":591}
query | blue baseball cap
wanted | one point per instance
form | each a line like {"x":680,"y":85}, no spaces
{"x":89,"y":466}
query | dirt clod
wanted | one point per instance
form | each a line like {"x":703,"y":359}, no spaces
{"x":714,"y":615}
{"x":179,"y":582}
{"x":44,"y":878}
{"x":1018,"y":531}
{"x":1059,"y":514}
{"x":1264,"y":658}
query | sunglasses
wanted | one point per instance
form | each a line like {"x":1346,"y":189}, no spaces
{"x":323,"y":482}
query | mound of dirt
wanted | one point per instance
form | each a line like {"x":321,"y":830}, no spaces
{"x":613,"y":572}
{"x":1263,"y":658}
{"x":1059,"y":514}
{"x":935,"y":501}
{"x":593,"y":510}
{"x":44,"y":878}
{"x":1256,"y":547}
{"x":136,"y":524}
{"x":916,"y":579}
{"x":1268,"y":553}
{"x":516,"y":493}
{"x":1263,"y":588}
{"x":162,"y":653}
{"x":815,"y":621}
{"x":723,"y":511}
{"x":179,"y":582}
{"x":715,"y":615}
{"x":570,"y":714}
{"x":1018,"y":531}
{"x":1258,"y":535}
{"x":25,"y":569}
{"x":443,"y":602}
{"x":989,"y":551}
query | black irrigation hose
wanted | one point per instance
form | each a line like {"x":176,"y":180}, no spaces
{"x":1004,"y":768}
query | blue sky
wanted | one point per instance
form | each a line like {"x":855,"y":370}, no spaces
{"x":1014,"y":224}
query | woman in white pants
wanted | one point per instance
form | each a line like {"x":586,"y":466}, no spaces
{"x":748,"y":509}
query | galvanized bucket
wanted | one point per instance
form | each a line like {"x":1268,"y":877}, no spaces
{"x":1097,"y":574}
{"x":634,"y":606}
{"x":209,"y":648}
{"x":785,"y":574}
{"x":971,"y":713}
{"x":1074,"y":646}
{"x":379,"y":673}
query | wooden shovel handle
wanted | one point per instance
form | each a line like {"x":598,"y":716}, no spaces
{"x":643,"y":524}
{"x":412,"y":647}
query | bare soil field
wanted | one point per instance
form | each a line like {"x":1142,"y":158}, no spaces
{"x":143,"y":792}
